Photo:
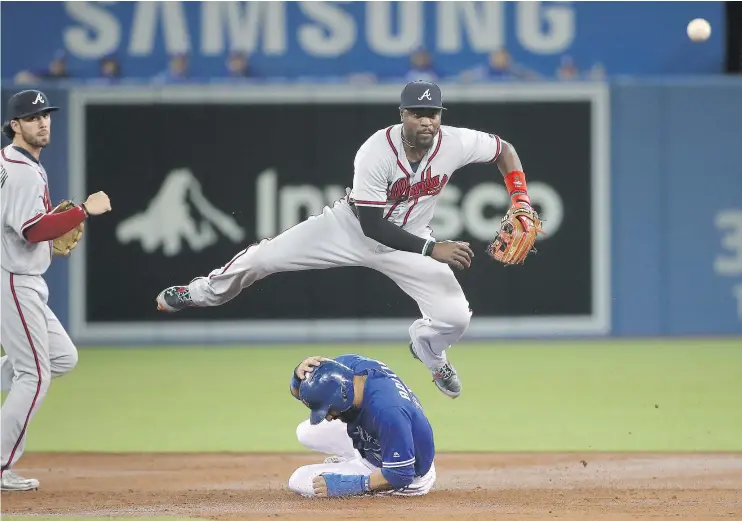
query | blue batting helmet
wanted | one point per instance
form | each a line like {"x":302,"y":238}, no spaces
{"x":327,"y":387}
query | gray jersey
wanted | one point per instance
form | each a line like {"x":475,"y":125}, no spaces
{"x":25,"y":200}
{"x":384,"y":178}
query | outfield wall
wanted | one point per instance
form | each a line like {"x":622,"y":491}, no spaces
{"x":640,"y":182}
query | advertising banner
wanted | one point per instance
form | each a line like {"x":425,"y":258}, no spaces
{"x":298,"y":39}
{"x":196,"y":177}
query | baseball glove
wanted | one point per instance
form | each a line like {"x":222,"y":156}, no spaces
{"x":64,"y":244}
{"x":517,"y":234}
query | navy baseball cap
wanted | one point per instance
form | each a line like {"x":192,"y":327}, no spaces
{"x":421,"y":95}
{"x":27,"y":103}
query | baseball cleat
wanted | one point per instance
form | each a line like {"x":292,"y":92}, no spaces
{"x":445,"y":378}
{"x":12,"y":481}
{"x":335,"y":459}
{"x":174,"y":299}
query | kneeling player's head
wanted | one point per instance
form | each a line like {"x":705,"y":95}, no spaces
{"x":327,"y":391}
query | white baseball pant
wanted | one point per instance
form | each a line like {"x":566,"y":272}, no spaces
{"x":38,"y":349}
{"x":332,"y":438}
{"x":333,"y":239}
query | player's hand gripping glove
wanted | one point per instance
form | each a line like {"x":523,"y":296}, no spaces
{"x":517,"y":234}
{"x":519,"y":227}
{"x":339,"y":485}
{"x":64,"y":244}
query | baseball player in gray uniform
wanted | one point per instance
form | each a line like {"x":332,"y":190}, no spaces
{"x":383,"y":224}
{"x":36,"y":345}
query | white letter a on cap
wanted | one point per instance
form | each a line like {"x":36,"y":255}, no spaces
{"x":39,"y":97}
{"x":425,"y":95}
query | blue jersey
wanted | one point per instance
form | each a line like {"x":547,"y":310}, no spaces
{"x":391,"y":430}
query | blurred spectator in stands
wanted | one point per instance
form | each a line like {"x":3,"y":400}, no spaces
{"x":362,"y":78}
{"x":57,"y":67}
{"x":500,"y":65}
{"x":238,"y":65}
{"x":421,"y":66}
{"x":567,"y":69}
{"x":597,"y":72}
{"x":109,"y":69}
{"x":56,"y":70}
{"x":176,"y":72}
{"x":25,"y":78}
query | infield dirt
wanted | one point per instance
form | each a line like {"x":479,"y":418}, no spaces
{"x":534,"y":487}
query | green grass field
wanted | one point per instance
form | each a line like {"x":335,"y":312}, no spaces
{"x":668,"y":395}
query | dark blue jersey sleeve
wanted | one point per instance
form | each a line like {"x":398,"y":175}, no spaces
{"x":397,"y":447}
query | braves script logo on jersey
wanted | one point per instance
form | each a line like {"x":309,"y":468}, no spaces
{"x":428,"y":185}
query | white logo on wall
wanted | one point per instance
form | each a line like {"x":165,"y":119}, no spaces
{"x":279,"y":207}
{"x":169,"y":222}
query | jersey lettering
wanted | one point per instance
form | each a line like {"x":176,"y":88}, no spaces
{"x":428,"y":185}
{"x":404,"y":391}
{"x":382,"y":176}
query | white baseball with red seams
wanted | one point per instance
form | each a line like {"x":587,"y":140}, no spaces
{"x":383,"y":177}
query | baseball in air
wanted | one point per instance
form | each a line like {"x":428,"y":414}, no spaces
{"x":699,"y":30}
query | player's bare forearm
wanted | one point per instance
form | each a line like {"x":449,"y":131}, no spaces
{"x":378,"y":482}
{"x":512,"y":171}
{"x":508,"y":159}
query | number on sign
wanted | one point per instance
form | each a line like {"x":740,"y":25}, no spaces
{"x":730,"y":223}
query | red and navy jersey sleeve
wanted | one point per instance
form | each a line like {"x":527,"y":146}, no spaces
{"x":397,"y":447}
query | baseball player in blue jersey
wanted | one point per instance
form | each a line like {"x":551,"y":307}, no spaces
{"x":383,"y":442}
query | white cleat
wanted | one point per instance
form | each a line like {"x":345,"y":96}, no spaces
{"x":335,"y":459}
{"x":174,"y":299}
{"x":12,"y":481}
{"x":445,"y":378}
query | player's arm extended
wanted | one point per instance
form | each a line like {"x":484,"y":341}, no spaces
{"x":511,"y":169}
{"x":508,"y":159}
{"x":340,"y":485}
{"x":51,"y":226}
{"x":481,"y":147}
{"x":375,"y":227}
